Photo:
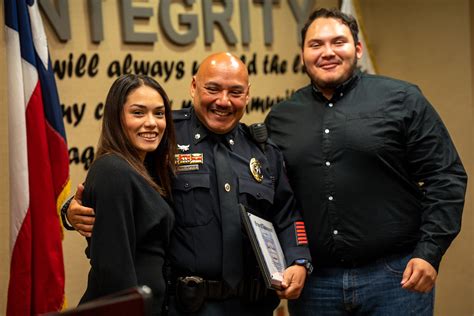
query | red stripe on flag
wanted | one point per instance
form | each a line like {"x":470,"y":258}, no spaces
{"x":46,"y":281}
{"x":48,"y":267}
{"x":59,"y":153}
{"x":19,"y":290}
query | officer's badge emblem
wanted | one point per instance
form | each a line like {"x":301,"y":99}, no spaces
{"x":183,"y":148}
{"x":256,"y":169}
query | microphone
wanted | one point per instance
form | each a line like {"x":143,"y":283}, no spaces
{"x":259,"y":133}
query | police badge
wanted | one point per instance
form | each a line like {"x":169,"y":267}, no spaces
{"x":255,"y":169}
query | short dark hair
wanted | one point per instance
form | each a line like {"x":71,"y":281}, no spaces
{"x":114,"y":139}
{"x":346,"y":19}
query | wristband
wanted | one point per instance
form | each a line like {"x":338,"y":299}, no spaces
{"x":304,"y":263}
{"x":64,"y":209}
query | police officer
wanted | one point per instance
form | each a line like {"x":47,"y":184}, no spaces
{"x":213,"y":270}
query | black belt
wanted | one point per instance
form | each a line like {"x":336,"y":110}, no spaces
{"x":191,"y":292}
{"x":211,"y":289}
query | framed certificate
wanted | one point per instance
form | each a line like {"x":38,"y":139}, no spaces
{"x":266,"y":246}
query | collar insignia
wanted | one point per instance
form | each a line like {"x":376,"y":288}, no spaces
{"x":183,"y":147}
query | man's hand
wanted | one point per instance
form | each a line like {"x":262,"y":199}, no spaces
{"x":80,"y":217}
{"x":293,"y":282}
{"x":419,"y":276}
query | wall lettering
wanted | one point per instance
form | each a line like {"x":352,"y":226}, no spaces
{"x":82,"y":157}
{"x":215,"y":15}
{"x":73,"y":113}
{"x":76,"y":67}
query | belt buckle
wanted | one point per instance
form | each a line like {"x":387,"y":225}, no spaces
{"x":192,"y":280}
{"x":190,"y":293}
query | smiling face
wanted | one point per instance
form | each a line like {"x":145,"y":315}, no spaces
{"x":144,"y":119}
{"x":329,"y":54}
{"x":220,"y":92}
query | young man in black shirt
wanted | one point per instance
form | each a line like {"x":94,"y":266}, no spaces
{"x":376,"y":175}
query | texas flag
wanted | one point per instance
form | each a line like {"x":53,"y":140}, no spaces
{"x":39,"y":166}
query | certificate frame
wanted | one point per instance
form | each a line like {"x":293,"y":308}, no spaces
{"x":266,"y":246}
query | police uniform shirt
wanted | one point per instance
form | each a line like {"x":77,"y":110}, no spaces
{"x":196,"y":243}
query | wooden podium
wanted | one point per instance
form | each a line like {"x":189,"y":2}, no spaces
{"x":134,"y":301}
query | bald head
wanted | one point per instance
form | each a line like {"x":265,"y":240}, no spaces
{"x":222,"y":62}
{"x":220,"y":92}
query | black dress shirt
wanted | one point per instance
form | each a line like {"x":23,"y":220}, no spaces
{"x":373,"y":169}
{"x":196,"y":242}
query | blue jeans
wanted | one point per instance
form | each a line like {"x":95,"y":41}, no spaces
{"x":230,"y":307}
{"x":372,"y":289}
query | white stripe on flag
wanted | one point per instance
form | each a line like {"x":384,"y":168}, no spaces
{"x":39,"y":36}
{"x":19,"y":189}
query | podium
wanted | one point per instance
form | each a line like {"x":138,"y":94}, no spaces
{"x":133,"y":301}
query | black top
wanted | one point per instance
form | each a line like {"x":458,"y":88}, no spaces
{"x":373,"y":169}
{"x":131,"y":231}
{"x":196,"y":242}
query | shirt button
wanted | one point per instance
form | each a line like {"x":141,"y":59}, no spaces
{"x":330,"y":105}
{"x":326,"y":131}
{"x":231,"y":141}
{"x":335,"y":232}
{"x":328,"y":163}
{"x":341,"y":94}
{"x":227,"y":187}
{"x":186,"y":185}
{"x":197,"y":136}
{"x":330,"y":198}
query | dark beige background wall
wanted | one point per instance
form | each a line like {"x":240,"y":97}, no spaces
{"x":428,"y":42}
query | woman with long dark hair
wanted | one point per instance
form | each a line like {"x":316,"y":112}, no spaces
{"x":127,"y":186}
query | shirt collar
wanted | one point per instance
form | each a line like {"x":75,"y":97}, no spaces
{"x":343,"y":87}
{"x":201,"y":132}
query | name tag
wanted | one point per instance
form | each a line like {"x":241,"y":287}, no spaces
{"x":187,"y":168}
